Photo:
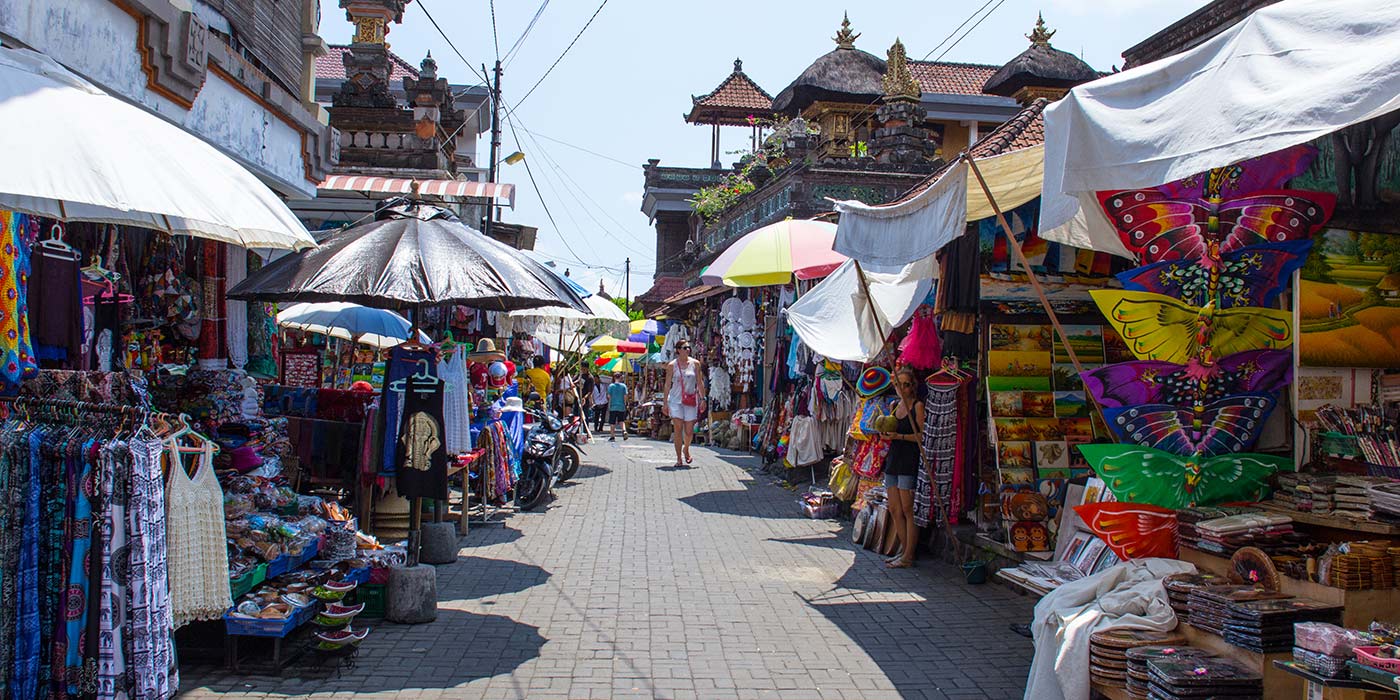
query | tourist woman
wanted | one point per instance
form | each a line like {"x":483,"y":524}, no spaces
{"x":902,"y":467}
{"x":685,"y":394}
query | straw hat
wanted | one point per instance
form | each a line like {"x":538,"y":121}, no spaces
{"x":486,"y":352}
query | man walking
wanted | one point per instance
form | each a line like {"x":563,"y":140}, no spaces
{"x":617,"y":407}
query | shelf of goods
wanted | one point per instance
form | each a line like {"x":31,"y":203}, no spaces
{"x":1334,"y":522}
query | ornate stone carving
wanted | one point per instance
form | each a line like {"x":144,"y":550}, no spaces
{"x":1040,"y":35}
{"x":369,"y":30}
{"x":899,"y":82}
{"x":845,"y":38}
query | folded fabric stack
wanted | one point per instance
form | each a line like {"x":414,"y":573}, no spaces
{"x":1188,"y":518}
{"x":1271,"y":532}
{"x":1108,"y":661}
{"x":1266,"y":626}
{"x":1353,"y":499}
{"x":1139,"y":680}
{"x":1179,"y":679}
{"x":1309,"y":493}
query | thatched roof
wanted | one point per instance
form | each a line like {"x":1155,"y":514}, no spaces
{"x":1041,"y":65}
{"x":1389,"y":283}
{"x":842,"y":75}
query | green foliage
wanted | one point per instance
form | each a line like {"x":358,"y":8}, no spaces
{"x":709,"y":202}
{"x":634,"y":313}
{"x":1315,"y":268}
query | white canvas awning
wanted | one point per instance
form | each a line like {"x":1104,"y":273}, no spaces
{"x":1287,"y":74}
{"x":75,"y":153}
{"x":892,"y":235}
{"x":839,"y":320}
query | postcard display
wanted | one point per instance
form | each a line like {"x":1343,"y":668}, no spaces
{"x":1216,"y":251}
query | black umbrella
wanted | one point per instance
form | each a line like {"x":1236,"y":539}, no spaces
{"x":413,"y":255}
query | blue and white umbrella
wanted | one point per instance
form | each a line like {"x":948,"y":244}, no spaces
{"x":380,"y":328}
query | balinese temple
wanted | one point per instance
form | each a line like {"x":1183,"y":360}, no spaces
{"x":878,"y":126}
{"x":403,"y":129}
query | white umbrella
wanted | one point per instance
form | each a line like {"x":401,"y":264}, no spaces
{"x":78,"y":154}
{"x":380,"y":328}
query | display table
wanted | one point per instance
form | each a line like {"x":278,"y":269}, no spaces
{"x":1318,"y":687}
{"x":1333,"y":522}
{"x":1360,"y":606}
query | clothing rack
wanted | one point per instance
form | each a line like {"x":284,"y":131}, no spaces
{"x":28,"y":402}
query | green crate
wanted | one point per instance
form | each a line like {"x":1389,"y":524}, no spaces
{"x":375,"y":598}
{"x":246,"y":582}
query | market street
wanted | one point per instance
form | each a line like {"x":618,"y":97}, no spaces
{"x":645,"y":581}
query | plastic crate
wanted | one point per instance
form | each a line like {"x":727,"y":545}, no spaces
{"x":375,"y":598}
{"x":279,"y":566}
{"x":245,"y":627}
{"x":360,"y":575}
{"x":1367,"y":656}
{"x":246,"y":582}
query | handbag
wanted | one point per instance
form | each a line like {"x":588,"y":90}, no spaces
{"x":843,"y":481}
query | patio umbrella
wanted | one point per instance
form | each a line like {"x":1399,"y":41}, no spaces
{"x":615,"y":364}
{"x":88,"y":156}
{"x":380,"y":328}
{"x":413,"y":255}
{"x":775,"y":254}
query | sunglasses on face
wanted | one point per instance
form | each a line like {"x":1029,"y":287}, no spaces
{"x":904,"y":383}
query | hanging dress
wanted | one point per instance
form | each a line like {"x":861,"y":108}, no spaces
{"x":199,"y":587}
{"x":152,"y":655}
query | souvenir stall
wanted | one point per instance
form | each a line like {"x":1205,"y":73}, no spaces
{"x":1288,"y":591}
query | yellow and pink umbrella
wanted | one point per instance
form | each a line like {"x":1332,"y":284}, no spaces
{"x":777,"y":253}
{"x":614,"y":364}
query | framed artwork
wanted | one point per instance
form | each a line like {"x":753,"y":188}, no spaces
{"x":1349,"y":301}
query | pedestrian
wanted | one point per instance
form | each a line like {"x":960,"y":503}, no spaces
{"x":538,"y":375}
{"x":617,"y":408}
{"x":685,"y":394}
{"x":902,"y":468}
{"x":599,"y":397}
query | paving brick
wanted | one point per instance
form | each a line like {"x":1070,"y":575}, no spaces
{"x":704,"y":582}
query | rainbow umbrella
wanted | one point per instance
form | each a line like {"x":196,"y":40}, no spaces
{"x":776,"y":253}
{"x":614,"y":364}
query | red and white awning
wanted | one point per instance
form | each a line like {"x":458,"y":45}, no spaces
{"x":504,"y":194}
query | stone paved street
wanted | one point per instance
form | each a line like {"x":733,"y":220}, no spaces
{"x":644,"y":581}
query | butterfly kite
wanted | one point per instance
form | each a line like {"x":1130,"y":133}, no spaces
{"x":1132,"y":530}
{"x":1223,"y":426}
{"x":1143,"y":475}
{"x":1252,"y":276}
{"x":1158,"y":327}
{"x":1153,"y":381}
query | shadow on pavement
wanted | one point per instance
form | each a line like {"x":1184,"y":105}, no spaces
{"x":748,"y":502}
{"x":480,"y":535}
{"x":493,"y":577}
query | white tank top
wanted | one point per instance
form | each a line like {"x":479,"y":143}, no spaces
{"x":686,"y":380}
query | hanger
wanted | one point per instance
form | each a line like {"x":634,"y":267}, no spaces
{"x":183,"y":420}
{"x":109,"y":295}
{"x":94,"y":271}
{"x":427,"y":382}
{"x":948,"y":374}
{"x":55,"y":247}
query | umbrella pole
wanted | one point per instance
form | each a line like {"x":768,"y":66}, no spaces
{"x":415,"y":505}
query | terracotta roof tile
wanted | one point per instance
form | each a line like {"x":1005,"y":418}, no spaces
{"x":735,"y":99}
{"x":661,"y":288}
{"x":951,"y":78}
{"x":332,"y":66}
{"x":1024,"y":129}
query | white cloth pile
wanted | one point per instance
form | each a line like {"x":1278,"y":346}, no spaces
{"x":1126,"y":596}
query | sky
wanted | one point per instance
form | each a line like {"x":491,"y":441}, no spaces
{"x":618,"y":96}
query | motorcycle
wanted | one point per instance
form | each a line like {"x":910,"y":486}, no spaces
{"x":540,"y":465}
{"x":571,"y":449}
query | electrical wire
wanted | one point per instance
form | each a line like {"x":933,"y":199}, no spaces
{"x":955,"y":29}
{"x":969,"y":30}
{"x":484,"y":80}
{"x":538,"y":135}
{"x":510,"y":55}
{"x":531,"y":91}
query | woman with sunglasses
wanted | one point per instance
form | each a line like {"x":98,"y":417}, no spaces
{"x":902,"y":468}
{"x":685,"y":394}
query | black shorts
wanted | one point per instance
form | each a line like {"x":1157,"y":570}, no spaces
{"x":617,"y":416}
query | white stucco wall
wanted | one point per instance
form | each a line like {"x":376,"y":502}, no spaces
{"x":97,"y":40}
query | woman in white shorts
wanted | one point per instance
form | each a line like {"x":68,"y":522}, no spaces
{"x":685,"y":395}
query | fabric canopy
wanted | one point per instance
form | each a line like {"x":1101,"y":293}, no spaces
{"x":835,"y":319}
{"x":1287,"y":74}
{"x":426,"y":188}
{"x":899,"y":234}
{"x":550,"y":323}
{"x":75,"y":153}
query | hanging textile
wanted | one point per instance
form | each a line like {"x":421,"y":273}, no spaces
{"x":421,"y":470}
{"x":402,"y":363}
{"x":456,"y":404}
{"x":236,"y":312}
{"x":199,"y":583}
{"x":16,"y":355}
{"x":933,"y":498}
{"x":55,"y":309}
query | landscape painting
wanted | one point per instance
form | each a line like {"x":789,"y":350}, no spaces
{"x":1087,"y":342}
{"x":1349,"y":301}
{"x":1019,"y":363}
{"x":1071,"y":404}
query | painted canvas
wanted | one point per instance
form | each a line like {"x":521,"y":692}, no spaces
{"x":1006,"y":404}
{"x":1041,"y":383}
{"x":1014,"y":454}
{"x":1064,"y":378}
{"x":1019,"y":363}
{"x":1087,"y":342}
{"x":1071,"y":404}
{"x":1038,"y":404}
{"x":1349,"y":301}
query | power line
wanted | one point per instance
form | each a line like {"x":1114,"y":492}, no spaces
{"x":514,"y":47}
{"x":969,"y":30}
{"x":955,"y":29}
{"x":484,"y":80}
{"x":531,"y":91}
{"x":540,"y":196}
{"x":538,"y":135}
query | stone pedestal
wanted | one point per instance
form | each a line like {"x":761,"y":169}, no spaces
{"x":412,"y":595}
{"x":439,"y":543}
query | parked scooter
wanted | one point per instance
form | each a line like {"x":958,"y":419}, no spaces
{"x":540,"y":464}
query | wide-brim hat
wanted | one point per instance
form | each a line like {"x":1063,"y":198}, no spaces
{"x":873,"y":381}
{"x":513,"y":405}
{"x":486,"y":352}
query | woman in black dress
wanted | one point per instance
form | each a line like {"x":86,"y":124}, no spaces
{"x":902,"y":467}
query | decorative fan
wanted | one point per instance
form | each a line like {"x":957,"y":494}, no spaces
{"x":1158,"y":327}
{"x":1154,"y":381}
{"x":1132,"y":530}
{"x":1252,"y":566}
{"x":1156,"y":226}
{"x":1231,"y":424}
{"x":1252,"y":276}
{"x":1143,"y":475}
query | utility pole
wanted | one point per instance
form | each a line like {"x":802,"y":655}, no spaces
{"x":627,"y":287}
{"x":495,"y":142}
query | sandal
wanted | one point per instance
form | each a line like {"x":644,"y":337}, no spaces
{"x":901,"y":564}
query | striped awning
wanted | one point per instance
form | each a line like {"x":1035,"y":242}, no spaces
{"x":504,"y":194}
